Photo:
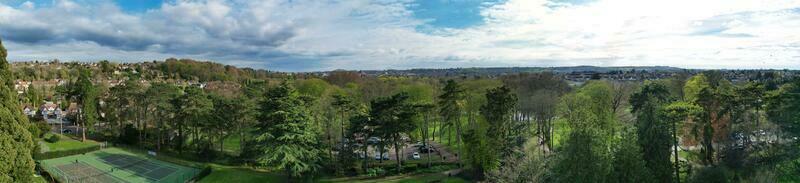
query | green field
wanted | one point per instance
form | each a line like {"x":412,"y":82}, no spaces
{"x":238,"y":174}
{"x":67,"y":143}
{"x":423,"y":178}
{"x":116,"y":165}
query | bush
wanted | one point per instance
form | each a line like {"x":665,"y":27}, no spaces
{"x":58,"y":154}
{"x":203,"y":173}
{"x":53,"y":138}
{"x":714,"y":174}
{"x":44,"y":128}
{"x":375,"y":172}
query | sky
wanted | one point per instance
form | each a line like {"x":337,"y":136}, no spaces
{"x":318,"y":35}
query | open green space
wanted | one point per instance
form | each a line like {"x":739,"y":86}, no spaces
{"x":67,"y":143}
{"x":417,"y":178}
{"x":116,"y":165}
{"x":240,"y":174}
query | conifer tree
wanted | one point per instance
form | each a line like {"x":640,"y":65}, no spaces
{"x":16,"y":143}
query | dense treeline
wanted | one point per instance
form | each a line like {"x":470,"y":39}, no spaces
{"x":530,"y":127}
{"x":527,"y":127}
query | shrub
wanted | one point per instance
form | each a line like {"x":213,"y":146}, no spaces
{"x":58,"y":154}
{"x":375,"y":172}
{"x":203,"y":173}
{"x":53,"y":138}
{"x":44,"y":128}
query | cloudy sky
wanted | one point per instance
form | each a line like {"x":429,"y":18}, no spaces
{"x":311,"y":35}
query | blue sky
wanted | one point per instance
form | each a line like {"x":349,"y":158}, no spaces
{"x":311,"y":35}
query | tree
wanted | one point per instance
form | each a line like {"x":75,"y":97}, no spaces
{"x":783,"y":107}
{"x":498,"y":111}
{"x":628,"y":164}
{"x":451,"y":106}
{"x":16,"y":142}
{"x":123,"y":106}
{"x":285,"y":135}
{"x":712,"y":93}
{"x":361,"y":128}
{"x":87,"y":98}
{"x":393,"y":117}
{"x":194,"y":108}
{"x":653,"y":129}
{"x":160,"y":99}
{"x":591,"y":122}
{"x":488,"y":141}
{"x":675,"y":113}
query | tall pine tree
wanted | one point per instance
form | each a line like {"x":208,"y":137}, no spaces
{"x":653,"y":129}
{"x":16,"y":143}
{"x":286,"y":137}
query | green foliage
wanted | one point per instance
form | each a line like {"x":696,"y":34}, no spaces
{"x":451,"y":106}
{"x":713,"y":174}
{"x":286,"y":137}
{"x":392,"y":117}
{"x":588,"y":113}
{"x":53,"y":139}
{"x":479,"y":155}
{"x":498,"y":110}
{"x":65,"y":153}
{"x":16,"y":142}
{"x":87,"y":94}
{"x":629,"y":166}
{"x":784,"y":107}
{"x":375,"y":172}
{"x":654,"y":135}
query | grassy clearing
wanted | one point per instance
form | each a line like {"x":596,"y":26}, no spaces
{"x":242,"y":175}
{"x":399,"y":179}
{"x":231,"y":144}
{"x":67,"y":143}
{"x":39,"y":179}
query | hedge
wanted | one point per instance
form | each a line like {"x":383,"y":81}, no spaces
{"x":203,"y":173}
{"x":64,"y":153}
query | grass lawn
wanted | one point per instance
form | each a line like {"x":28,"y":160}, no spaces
{"x":242,"y":175}
{"x":67,"y":143}
{"x":424,"y":178}
{"x":231,"y":144}
{"x":39,"y":179}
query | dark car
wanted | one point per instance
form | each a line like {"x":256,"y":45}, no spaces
{"x":426,"y":149}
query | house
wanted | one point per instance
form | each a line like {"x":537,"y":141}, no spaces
{"x":21,"y":86}
{"x":28,"y":110}
{"x":49,"y":108}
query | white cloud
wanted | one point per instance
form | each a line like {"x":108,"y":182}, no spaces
{"x":365,"y":34}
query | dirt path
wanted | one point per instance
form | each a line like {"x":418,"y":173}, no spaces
{"x":446,"y":153}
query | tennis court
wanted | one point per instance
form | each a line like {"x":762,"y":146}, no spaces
{"x":116,"y":165}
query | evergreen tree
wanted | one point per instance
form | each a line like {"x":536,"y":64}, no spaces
{"x":286,"y":137}
{"x":654,"y":135}
{"x":393,"y":117}
{"x":16,"y":143}
{"x":87,"y":98}
{"x":451,"y":104}
{"x":628,"y":165}
{"x":498,"y":110}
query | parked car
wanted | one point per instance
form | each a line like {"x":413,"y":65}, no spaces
{"x":385,"y":156}
{"x":426,"y":149}
{"x":66,"y":131}
{"x":373,"y":140}
{"x":415,"y":155}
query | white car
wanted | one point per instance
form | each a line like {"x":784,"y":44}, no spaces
{"x":415,"y":156}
